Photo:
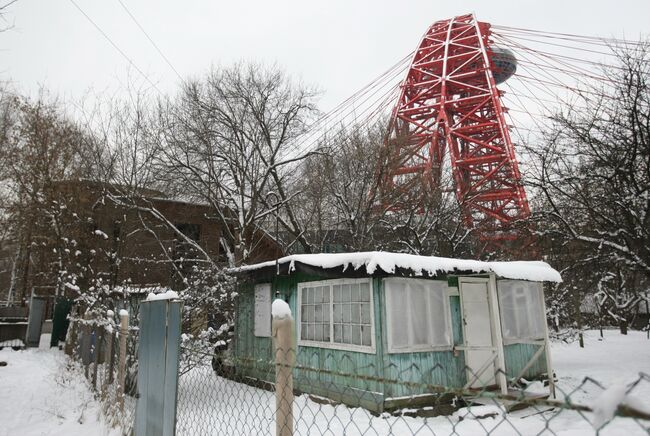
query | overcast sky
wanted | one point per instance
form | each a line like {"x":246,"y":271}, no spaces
{"x":337,"y":45}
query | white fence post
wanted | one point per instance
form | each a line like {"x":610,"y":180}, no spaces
{"x":285,"y":356}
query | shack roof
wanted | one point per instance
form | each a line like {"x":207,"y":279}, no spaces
{"x":385,"y":263}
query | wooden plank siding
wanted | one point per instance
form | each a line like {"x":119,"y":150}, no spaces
{"x":518,"y":355}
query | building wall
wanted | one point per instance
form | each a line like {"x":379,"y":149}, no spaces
{"x":372,"y":376}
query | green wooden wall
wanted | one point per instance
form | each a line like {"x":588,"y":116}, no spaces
{"x":518,"y":355}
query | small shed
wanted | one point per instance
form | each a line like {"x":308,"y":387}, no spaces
{"x":378,"y":329}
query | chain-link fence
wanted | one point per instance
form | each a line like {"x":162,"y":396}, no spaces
{"x":220,"y":394}
{"x":108,"y":354}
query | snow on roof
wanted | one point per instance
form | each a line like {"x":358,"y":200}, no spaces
{"x":420,"y":265}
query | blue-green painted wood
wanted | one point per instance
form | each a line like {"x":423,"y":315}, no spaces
{"x":172,"y":349}
{"x":456,"y":319}
{"x":160,"y":323}
{"x":380,"y":373}
{"x":155,"y":368}
{"x":518,"y":355}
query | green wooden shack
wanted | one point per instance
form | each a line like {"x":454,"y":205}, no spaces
{"x":379,"y":330}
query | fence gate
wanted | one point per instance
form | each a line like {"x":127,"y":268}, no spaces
{"x":160,"y":330}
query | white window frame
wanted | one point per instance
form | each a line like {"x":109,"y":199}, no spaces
{"x":262,"y":331}
{"x":372,"y":349}
{"x":527,"y":339}
{"x":418,"y":348}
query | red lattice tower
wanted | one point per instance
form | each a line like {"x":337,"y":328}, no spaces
{"x":450,"y":101}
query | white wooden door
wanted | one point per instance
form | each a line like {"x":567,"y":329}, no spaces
{"x":480,"y":351}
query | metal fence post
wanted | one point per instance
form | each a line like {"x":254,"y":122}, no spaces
{"x":121,"y":365}
{"x":284,"y":360}
{"x":158,"y":354}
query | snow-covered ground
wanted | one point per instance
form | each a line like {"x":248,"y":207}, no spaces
{"x":207,"y":402}
{"x":40,"y":395}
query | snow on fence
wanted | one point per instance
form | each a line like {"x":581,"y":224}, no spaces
{"x":107,"y":350}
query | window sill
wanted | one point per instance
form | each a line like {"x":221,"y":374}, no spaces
{"x":341,"y":347}
{"x":421,"y":350}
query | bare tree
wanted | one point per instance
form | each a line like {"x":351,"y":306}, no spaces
{"x":227,"y":142}
{"x":40,"y":146}
{"x":593,"y":173}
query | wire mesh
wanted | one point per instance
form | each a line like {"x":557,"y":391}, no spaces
{"x":96,"y":347}
{"x":224,"y":394}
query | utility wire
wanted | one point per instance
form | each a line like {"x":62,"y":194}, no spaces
{"x":160,"y":52}
{"x":124,"y":55}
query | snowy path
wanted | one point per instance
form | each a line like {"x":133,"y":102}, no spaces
{"x":39,"y":397}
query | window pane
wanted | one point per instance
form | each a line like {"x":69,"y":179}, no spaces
{"x":347,"y":334}
{"x":365,"y":313}
{"x":397,"y":305}
{"x":345,"y":293}
{"x":346,"y":306}
{"x":338,"y":313}
{"x":346,"y":313}
{"x":356,"y":335}
{"x":520,"y":305}
{"x":338,"y":333}
{"x":326,"y":313}
{"x":365,"y":292}
{"x":337,"y":293}
{"x":365,"y":335}
{"x":419,"y":318}
{"x":439,"y":313}
{"x":354,"y":290}
{"x":356,"y":313}
{"x":318,"y":294}
{"x":326,"y":294}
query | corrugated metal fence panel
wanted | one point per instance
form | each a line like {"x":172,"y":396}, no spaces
{"x":160,"y":324}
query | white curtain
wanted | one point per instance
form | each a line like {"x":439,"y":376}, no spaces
{"x":418,"y":314}
{"x":521,"y":308}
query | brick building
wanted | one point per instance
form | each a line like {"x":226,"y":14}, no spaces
{"x":96,"y":235}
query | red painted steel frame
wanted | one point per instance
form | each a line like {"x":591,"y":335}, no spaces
{"x":449,"y":99}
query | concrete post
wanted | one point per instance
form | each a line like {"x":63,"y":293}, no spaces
{"x":121,"y":364}
{"x":285,"y":356}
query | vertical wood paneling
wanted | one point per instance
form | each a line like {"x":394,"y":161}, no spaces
{"x":518,"y":355}
{"x":439,"y":368}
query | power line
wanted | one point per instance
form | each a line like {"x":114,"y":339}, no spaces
{"x":151,"y":40}
{"x":124,"y":55}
